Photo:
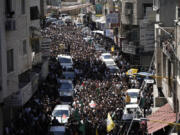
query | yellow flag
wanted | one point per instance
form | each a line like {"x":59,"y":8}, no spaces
{"x":97,"y":132}
{"x":128,"y":99}
{"x":131,"y":71}
{"x":110,"y":123}
{"x":112,"y":49}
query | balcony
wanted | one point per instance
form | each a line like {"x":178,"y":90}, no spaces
{"x":129,"y":48}
{"x":168,"y":48}
{"x":24,"y":79}
{"x":167,"y":41}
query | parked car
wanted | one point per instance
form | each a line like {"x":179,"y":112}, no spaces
{"x":69,"y":75}
{"x":49,"y":20}
{"x":62,"y":16}
{"x":99,"y":48}
{"x":106,"y":56}
{"x":131,"y":111}
{"x":109,"y":62}
{"x":66,"y":90}
{"x":65,"y":61}
{"x":114,"y":70}
{"x":134,"y":94}
{"x":59,"y":22}
{"x":61,"y":113}
{"x":78,"y":24}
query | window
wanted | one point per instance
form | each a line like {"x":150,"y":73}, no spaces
{"x":129,"y":5}
{"x":24,"y":47}
{"x":10,"y":61}
{"x":147,"y":8}
{"x":23,"y":9}
{"x":35,"y":45}
{"x":34,"y":13}
{"x":8,"y":8}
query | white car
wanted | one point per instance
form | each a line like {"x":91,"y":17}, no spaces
{"x":65,"y":61}
{"x":88,"y":38}
{"x":109,"y":62}
{"x":133,"y":93}
{"x":131,"y":111}
{"x":113,"y":70}
{"x":106,"y":56}
{"x":62,"y":113}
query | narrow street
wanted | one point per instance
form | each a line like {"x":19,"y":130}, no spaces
{"x":89,"y":67}
{"x":98,"y":90}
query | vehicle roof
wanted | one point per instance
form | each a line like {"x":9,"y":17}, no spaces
{"x":133,"y":90}
{"x":132,"y":106}
{"x":68,"y":72}
{"x":64,"y":56}
{"x":105,"y":54}
{"x":64,"y":80}
{"x":107,"y":60}
{"x":113,"y":67}
{"x":60,"y":107}
{"x":57,"y":128}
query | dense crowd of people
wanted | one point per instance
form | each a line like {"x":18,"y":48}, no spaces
{"x":97,"y":92}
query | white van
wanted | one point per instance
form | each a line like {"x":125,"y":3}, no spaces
{"x":131,"y":111}
{"x":65,"y":61}
{"x":62,"y":113}
{"x":133,"y":93}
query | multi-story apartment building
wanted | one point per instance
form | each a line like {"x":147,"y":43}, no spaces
{"x":164,"y":48}
{"x":136,"y":28}
{"x":20,"y":22}
{"x":167,"y":56}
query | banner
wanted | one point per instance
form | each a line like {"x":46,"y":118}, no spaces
{"x":99,"y":8}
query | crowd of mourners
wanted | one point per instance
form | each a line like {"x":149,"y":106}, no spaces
{"x":97,"y":92}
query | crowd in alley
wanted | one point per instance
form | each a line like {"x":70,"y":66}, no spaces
{"x":97,"y":91}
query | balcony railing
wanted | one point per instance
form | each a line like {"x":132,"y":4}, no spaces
{"x":168,"y":48}
{"x":167,"y":41}
{"x":128,"y":48}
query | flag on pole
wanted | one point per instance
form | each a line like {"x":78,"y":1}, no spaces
{"x":131,"y":71}
{"x":110,"y":123}
{"x":112,"y":49}
{"x":97,"y":131}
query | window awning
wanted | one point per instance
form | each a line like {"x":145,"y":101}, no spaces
{"x":160,"y":119}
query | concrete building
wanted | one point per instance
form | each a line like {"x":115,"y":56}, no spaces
{"x":136,"y":19}
{"x":167,"y":55}
{"x":20,"y":22}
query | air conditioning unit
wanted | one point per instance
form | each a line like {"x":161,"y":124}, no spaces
{"x":10,"y":25}
{"x":128,"y":11}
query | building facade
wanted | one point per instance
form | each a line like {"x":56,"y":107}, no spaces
{"x":20,"y":22}
{"x":167,"y":53}
{"x":137,"y":18}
